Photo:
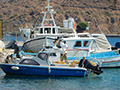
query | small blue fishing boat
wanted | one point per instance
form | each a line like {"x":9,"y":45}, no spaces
{"x":47,"y":63}
{"x":40,"y":65}
{"x":42,"y":70}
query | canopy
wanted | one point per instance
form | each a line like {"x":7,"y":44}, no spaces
{"x":102,"y":43}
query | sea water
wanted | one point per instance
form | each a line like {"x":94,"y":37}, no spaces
{"x":113,"y":40}
{"x":108,"y":80}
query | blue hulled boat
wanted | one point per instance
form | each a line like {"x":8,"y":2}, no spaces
{"x":42,"y":70}
{"x":47,"y":63}
{"x":40,"y":65}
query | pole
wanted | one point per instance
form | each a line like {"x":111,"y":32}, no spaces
{"x":1,"y":28}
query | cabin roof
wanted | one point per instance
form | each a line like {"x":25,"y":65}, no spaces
{"x":79,"y":38}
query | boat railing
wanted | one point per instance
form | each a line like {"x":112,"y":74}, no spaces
{"x":97,"y":61}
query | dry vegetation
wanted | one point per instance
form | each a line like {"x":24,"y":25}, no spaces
{"x":105,"y":13}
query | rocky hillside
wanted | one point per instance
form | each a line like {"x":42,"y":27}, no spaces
{"x":102,"y":14}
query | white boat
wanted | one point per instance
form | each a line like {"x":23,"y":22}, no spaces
{"x":93,"y":46}
{"x":47,"y":32}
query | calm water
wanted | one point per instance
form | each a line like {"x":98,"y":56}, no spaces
{"x":113,"y":41}
{"x":9,"y":37}
{"x":109,"y":80}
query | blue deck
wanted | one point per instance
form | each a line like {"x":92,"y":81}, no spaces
{"x":104,"y":55}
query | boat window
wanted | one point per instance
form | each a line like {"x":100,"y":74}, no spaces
{"x":53,"y":54}
{"x":77,"y":44}
{"x":29,"y":62}
{"x":41,"y":30}
{"x":47,"y":30}
{"x":42,"y":56}
{"x":53,"y":30}
{"x":86,"y":43}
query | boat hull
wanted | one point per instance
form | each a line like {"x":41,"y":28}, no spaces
{"x":42,"y":70}
{"x":35,"y":45}
{"x":108,"y":59}
{"x":111,"y":62}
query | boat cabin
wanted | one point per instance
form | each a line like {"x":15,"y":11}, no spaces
{"x":80,"y":43}
{"x":47,"y":29}
{"x":42,"y":58}
{"x":84,"y":46}
{"x":97,"y":43}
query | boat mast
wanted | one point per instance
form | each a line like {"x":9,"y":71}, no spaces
{"x":50,"y":12}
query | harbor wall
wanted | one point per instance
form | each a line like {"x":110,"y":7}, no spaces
{"x":113,"y":35}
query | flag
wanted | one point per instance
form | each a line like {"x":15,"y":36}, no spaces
{"x":74,"y":25}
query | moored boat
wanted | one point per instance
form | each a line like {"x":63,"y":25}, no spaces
{"x":39,"y":65}
{"x":46,"y":64}
{"x":46,"y":32}
{"x":93,"y":46}
{"x":42,"y":70}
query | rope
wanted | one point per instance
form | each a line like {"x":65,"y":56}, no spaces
{"x":78,"y":54}
{"x":62,"y":56}
{"x":49,"y":70}
{"x":75,"y":53}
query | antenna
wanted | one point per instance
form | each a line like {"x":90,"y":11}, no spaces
{"x":49,"y":12}
{"x":98,"y":25}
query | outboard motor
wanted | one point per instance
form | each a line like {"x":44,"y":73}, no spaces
{"x":88,"y":65}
